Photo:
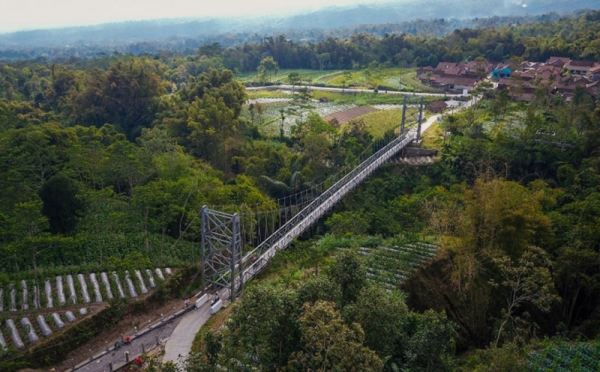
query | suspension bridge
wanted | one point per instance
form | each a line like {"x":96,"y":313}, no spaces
{"x":238,"y":245}
{"x":239,"y":241}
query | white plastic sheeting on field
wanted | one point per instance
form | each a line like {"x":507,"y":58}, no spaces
{"x":46,"y":331}
{"x":57,"y":320}
{"x":150,"y":278}
{"x":70,"y":317}
{"x":28,"y":328}
{"x":119,"y":287}
{"x":60,"y":291}
{"x":84,"y":289}
{"x":97,"y":293}
{"x":106,"y":283}
{"x":48,"y":290}
{"x":14,"y":334}
{"x":130,"y":285}
{"x":141,"y":280}
{"x":71,"y":285}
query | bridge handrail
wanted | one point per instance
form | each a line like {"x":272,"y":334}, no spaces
{"x":312,"y":206}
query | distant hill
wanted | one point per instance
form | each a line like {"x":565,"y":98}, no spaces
{"x":179,"y":34}
{"x":428,"y":9}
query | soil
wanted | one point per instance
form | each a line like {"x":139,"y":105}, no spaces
{"x":347,"y":115}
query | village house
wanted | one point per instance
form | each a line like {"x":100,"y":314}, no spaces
{"x":436,"y":107}
{"x":594,"y":73}
{"x":557,"y":76}
{"x":519,"y":87}
{"x":557,"y":61}
{"x":454,"y":77}
{"x":579,"y":67}
{"x":593,"y":89}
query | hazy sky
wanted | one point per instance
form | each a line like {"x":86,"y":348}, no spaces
{"x":35,"y":14}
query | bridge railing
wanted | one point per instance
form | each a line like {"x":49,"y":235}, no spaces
{"x":318,"y":202}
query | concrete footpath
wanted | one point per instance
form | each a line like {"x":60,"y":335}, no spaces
{"x":180,"y":342}
{"x":116,"y":357}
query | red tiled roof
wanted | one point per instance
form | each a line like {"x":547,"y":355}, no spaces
{"x":445,"y":65}
{"x":581,"y":63}
{"x":453,"y":71}
{"x":562,"y":60}
{"x":548,"y":68}
{"x":444,"y":80}
{"x":526,"y":75}
{"x":465,"y":81}
{"x":437,"y":105}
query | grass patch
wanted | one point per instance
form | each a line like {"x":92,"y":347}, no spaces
{"x":379,"y":122}
{"x":331,"y":96}
{"x":306,"y":76}
{"x":213,"y":324}
{"x":362,"y":99}
{"x":331,"y":78}
{"x":434,"y":137}
{"x":257,"y":94}
{"x":411,"y":83}
{"x":404,"y":79}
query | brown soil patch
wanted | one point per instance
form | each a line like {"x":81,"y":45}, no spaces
{"x":347,"y":115}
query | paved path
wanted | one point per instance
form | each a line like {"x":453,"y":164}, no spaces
{"x":180,"y":342}
{"x":117,"y":357}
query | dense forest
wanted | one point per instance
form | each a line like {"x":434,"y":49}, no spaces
{"x":111,"y":156}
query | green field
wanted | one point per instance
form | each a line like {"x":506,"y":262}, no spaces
{"x":379,"y":122}
{"x":382,"y":78}
{"x":434,"y":137}
{"x":409,"y":79}
{"x":306,"y":76}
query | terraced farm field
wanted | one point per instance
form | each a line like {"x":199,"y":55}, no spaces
{"x":390,"y":266}
{"x":584,"y":357}
{"x":35,"y":310}
{"x":306,"y":76}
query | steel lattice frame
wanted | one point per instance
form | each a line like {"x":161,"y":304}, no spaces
{"x":221,"y":250}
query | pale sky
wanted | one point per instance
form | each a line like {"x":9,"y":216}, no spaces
{"x":38,"y":14}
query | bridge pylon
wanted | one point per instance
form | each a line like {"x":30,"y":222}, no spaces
{"x":221,"y":251}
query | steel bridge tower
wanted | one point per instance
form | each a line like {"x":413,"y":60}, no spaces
{"x":221,"y":251}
